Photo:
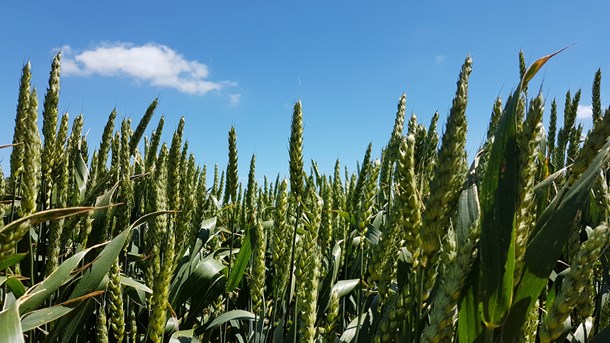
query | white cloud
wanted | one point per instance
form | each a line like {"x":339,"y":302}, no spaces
{"x":584,"y":112}
{"x":439,"y":58}
{"x":234,"y":99}
{"x":154,"y":63}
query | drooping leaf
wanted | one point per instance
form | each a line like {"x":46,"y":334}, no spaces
{"x":223,"y":318}
{"x":11,"y":260}
{"x":69,"y":326}
{"x":43,"y":216}
{"x":130,"y":282}
{"x":344,"y":287}
{"x":350,"y":331}
{"x":43,"y":290}
{"x":16,"y":287}
{"x":43,"y":316}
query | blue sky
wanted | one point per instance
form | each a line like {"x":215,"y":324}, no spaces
{"x":244,"y":63}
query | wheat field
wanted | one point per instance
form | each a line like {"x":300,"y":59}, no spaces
{"x":125,"y":240}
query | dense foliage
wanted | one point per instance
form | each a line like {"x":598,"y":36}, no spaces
{"x":126,"y":244}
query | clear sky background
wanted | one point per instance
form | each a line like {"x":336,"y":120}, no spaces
{"x":244,"y":63}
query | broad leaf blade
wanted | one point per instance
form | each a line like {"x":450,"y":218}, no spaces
{"x":498,"y":207}
{"x":197,"y":280}
{"x":130,"y":282}
{"x":100,"y":217}
{"x":11,"y":260}
{"x":15,"y":286}
{"x":344,"y":287}
{"x":70,"y":325}
{"x":550,"y":235}
{"x":241,"y":262}
{"x":470,"y":326}
{"x":43,"y":290}
{"x":11,"y":325}
{"x":46,"y":315}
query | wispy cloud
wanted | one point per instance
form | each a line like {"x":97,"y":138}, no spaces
{"x":439,"y":59}
{"x":234,"y":99}
{"x":584,"y":112}
{"x":154,"y":63}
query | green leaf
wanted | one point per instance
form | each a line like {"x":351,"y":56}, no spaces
{"x":373,"y":232}
{"x":204,"y":299}
{"x":550,"y":234}
{"x":11,"y":260}
{"x":130,"y":282}
{"x":69,"y":326}
{"x":241,"y":262}
{"x":11,"y":325}
{"x":43,"y":290}
{"x":196,"y":282}
{"x":498,"y":207}
{"x":468,"y":211}
{"x":350,"y":331}
{"x":145,"y":218}
{"x":470,"y":326}
{"x":344,"y":287}
{"x":82,"y":175}
{"x":544,"y":185}
{"x":100,"y":217}
{"x":94,"y":275}
{"x":326,"y":283}
{"x":223,"y":318}
{"x":15,"y":286}
{"x":42,"y":216}
{"x":43,"y":316}
{"x":206,"y":231}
